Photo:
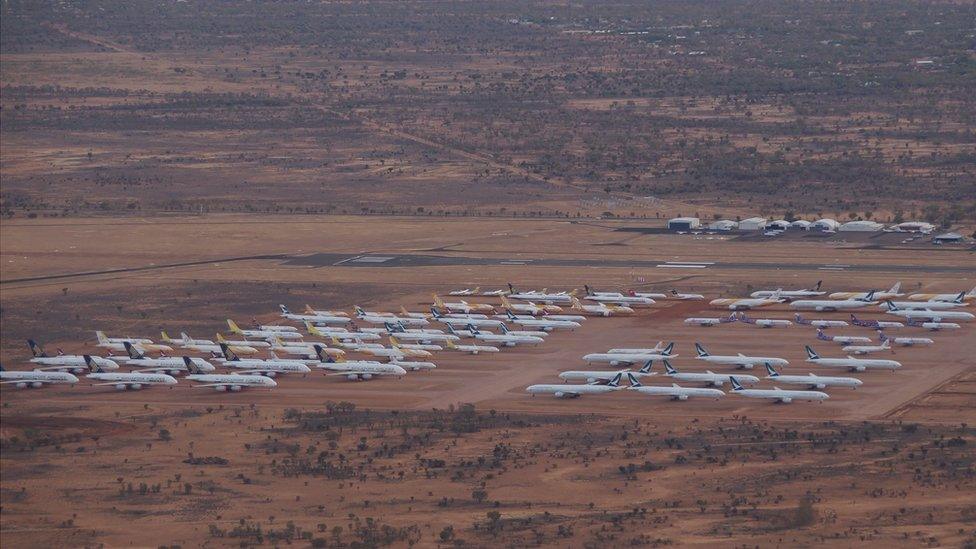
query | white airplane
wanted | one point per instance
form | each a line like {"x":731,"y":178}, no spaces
{"x":651,"y":295}
{"x":574,"y":390}
{"x":842,"y":339}
{"x":506,"y":339}
{"x":530,"y":308}
{"x":184,"y":339}
{"x":604,"y":376}
{"x":430,"y":347}
{"x":242,"y":343}
{"x":851,"y":363}
{"x":776,"y":394}
{"x":300,"y":348}
{"x":126,"y":380}
{"x":471,"y":349}
{"x":616,"y":298}
{"x":834,"y":304}
{"x":523,"y":333}
{"x":33,"y":379}
{"x":906,"y":341}
{"x":272,"y":367}
{"x":310,"y":311}
{"x":341,"y":334}
{"x":790,"y":295}
{"x":414,"y":366}
{"x":657,"y":348}
{"x":465,"y":292}
{"x":602,"y":309}
{"x":463,"y":306}
{"x":742,"y":304}
{"x":74,"y":364}
{"x":232,"y":382}
{"x":865,"y":349}
{"x":933,"y":326}
{"x":675,"y":391}
{"x":709,"y":322}
{"x":963,"y":296}
{"x":926,"y":315}
{"x":925,"y":305}
{"x":868,"y":296}
{"x":374,"y":318}
{"x":543,"y":296}
{"x":277,"y":328}
{"x":880,"y":324}
{"x":361,"y":370}
{"x":543,"y":324}
{"x":116,"y":343}
{"x":626,"y":359}
{"x":215,"y":349}
{"x":494,"y":293}
{"x":709,"y":378}
{"x":455,"y":321}
{"x":819,"y":323}
{"x":813,"y":381}
{"x":262,"y":333}
{"x":740,"y":360}
{"x":419,"y":337}
{"x":393,"y":352}
{"x":685,"y":297}
{"x":317,"y":318}
{"x":765,"y":322}
{"x":163,"y":365}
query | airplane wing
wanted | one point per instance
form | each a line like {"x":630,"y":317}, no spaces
{"x":26,"y":381}
{"x":212,"y":385}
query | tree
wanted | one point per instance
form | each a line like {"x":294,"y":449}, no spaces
{"x":479,"y":495}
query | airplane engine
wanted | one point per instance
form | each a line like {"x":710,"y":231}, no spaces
{"x":120,"y":386}
{"x":682,"y":397}
{"x":786,"y":400}
{"x":136,"y":386}
{"x":235,"y":388}
{"x":22,"y":385}
{"x":220,"y":388}
{"x":352,"y":377}
{"x":614,"y":363}
{"x":509,"y":343}
{"x":820,"y":386}
{"x":271,"y":374}
{"x":367,"y":376}
{"x":558,"y":394}
{"x":36,"y":385}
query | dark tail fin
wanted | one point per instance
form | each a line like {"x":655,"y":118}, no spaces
{"x":633,"y":380}
{"x":90,"y":362}
{"x":133,"y":352}
{"x":667,"y":350}
{"x":811,"y":354}
{"x":191,"y":366}
{"x":228,"y":354}
{"x":615,"y":381}
{"x":701,"y":350}
{"x":646,"y":369}
{"x":668,"y":368}
{"x":771,"y":371}
{"x":36,"y":349}
{"x":736,"y":386}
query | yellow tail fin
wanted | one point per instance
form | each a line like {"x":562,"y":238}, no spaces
{"x":233,"y":326}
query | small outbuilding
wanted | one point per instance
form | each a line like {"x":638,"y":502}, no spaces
{"x":723,"y":225}
{"x":778,"y":225}
{"x":684,"y":223}
{"x":948,"y":238}
{"x":863,"y":225}
{"x":752,"y":224}
{"x":825,"y":225}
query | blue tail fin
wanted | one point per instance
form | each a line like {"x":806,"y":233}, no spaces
{"x":701,"y":350}
{"x":736,"y":386}
{"x":668,"y":368}
{"x":615,"y":381}
{"x":667,"y":350}
{"x":646,"y":369}
{"x":771,"y":371}
{"x":633,"y":380}
{"x":811,"y":354}
{"x":36,"y":349}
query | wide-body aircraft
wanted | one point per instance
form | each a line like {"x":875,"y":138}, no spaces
{"x":75,"y":364}
{"x":964,"y":296}
{"x":675,"y":391}
{"x":776,"y":394}
{"x":33,"y":379}
{"x":708,"y":377}
{"x":574,"y":390}
{"x":851,"y":363}
{"x":811,"y":380}
{"x":739,"y":360}
{"x":871,"y":294}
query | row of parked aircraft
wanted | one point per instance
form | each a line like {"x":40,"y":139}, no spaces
{"x":807,"y":299}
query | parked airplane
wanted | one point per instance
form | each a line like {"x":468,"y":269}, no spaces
{"x":374,"y":318}
{"x":601,"y":309}
{"x":616,"y":298}
{"x":865,"y":349}
{"x":834,"y":305}
{"x":626,"y":359}
{"x":74,"y":364}
{"x":675,"y":391}
{"x":215,"y":349}
{"x":742,"y":304}
{"x":494,"y":293}
{"x":163,"y":365}
{"x":657,"y":348}
{"x":544,"y":324}
{"x":964,"y":296}
{"x":393,"y":352}
{"x":316,"y":318}
{"x":574,"y":390}
{"x":310,"y":311}
{"x":183,"y":339}
{"x":125,"y":380}
{"x":360,"y":370}
{"x":464,"y":320}
{"x":933,"y":326}
{"x":232,"y":382}
{"x":685,"y":297}
{"x":812,"y":380}
{"x":790,"y":295}
{"x":506,"y":339}
{"x":271,"y":367}
{"x":819,"y":323}
{"x":765,"y":322}
{"x":776,"y":394}
{"x":933,"y":316}
{"x":420,"y":337}
{"x":851,"y":363}
{"x":33,"y":379}
{"x":604,"y":376}
{"x":563,"y":298}
{"x":906,"y":341}
{"x":650,"y":295}
{"x":263,"y":333}
{"x":842,"y":339}
{"x":340,"y":333}
{"x":740,"y":360}
{"x":116,"y":343}
{"x":926,"y":305}
{"x":523,"y":333}
{"x":414,"y":366}
{"x":471,"y":349}
{"x":465,"y":292}
{"x":530,"y":308}
{"x":242,"y":343}
{"x":868,"y":296}
{"x":301,"y":348}
{"x":709,"y":322}
{"x":875,"y":323}
{"x":708,"y":378}
{"x":463,"y":306}
{"x":397,"y":344}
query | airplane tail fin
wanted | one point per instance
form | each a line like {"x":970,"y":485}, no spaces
{"x":191,"y":366}
{"x":971,"y":293}
{"x":960,"y":298}
{"x":615,"y":381}
{"x":228,"y":353}
{"x":437,"y":301}
{"x":667,"y":350}
{"x":503,"y":328}
{"x":511,"y":316}
{"x":811,"y":354}
{"x":389,"y":327}
{"x":233,"y":326}
{"x":586,"y":288}
{"x":435,"y":312}
{"x":320,"y":352}
{"x":822,"y":336}
{"x":359,"y":310}
{"x":817,"y":287}
{"x":92,"y":365}
{"x":799,"y":319}
{"x":220,"y":338}
{"x":731,"y":318}
{"x":869,"y":296}
{"x":668,"y":368}
{"x":891,"y":306}
{"x":312,"y":329}
{"x":736,"y":386}
{"x":896,"y":288}
{"x":646,"y":369}
{"x":166,"y":338}
{"x":400,"y":327}
{"x":284,"y":310}
{"x":634,"y":382}
{"x":772,"y":372}
{"x":100,"y":335}
{"x":404,"y":311}
{"x":701,"y":350}
{"x":36,"y":349}
{"x":450,"y":344}
{"x":309,"y":309}
{"x":133,"y":352}
{"x":394,"y":342}
{"x":471,"y":328}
